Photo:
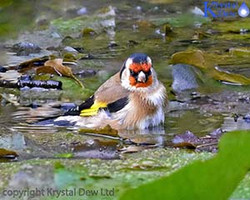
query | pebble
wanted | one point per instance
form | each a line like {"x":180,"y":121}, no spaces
{"x":217,"y":132}
{"x":197,"y":11}
{"x":247,"y":118}
{"x":67,"y":106}
{"x":82,"y":11}
{"x":3,"y":69}
{"x":70,"y":49}
{"x":86,"y":73}
{"x":55,"y":35}
{"x":25,"y":78}
{"x":184,"y":77}
{"x":112,"y":44}
{"x":138,"y":8}
{"x":156,"y":8}
{"x":25,"y":48}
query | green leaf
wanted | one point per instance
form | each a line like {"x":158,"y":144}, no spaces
{"x":206,"y":62}
{"x":66,"y":178}
{"x":64,"y":155}
{"x":184,"y":20}
{"x":241,"y":52}
{"x":192,"y":57}
{"x":214,"y":179}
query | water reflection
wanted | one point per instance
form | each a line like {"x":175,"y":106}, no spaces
{"x":153,"y":136}
{"x":230,"y":124}
{"x":14,"y":141}
{"x":105,"y":51}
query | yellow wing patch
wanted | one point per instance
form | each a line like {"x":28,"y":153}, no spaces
{"x":93,"y":110}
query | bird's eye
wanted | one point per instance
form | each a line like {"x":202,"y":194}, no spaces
{"x":148,"y":73}
{"x":134,"y":74}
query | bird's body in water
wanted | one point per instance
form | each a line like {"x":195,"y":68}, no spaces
{"x":131,"y":99}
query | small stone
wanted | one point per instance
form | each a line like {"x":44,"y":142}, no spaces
{"x":3,"y":69}
{"x":67,"y":106}
{"x":158,"y":31}
{"x":82,"y":11}
{"x":184,"y":77}
{"x":42,"y":21}
{"x":217,"y":132}
{"x":138,"y":8}
{"x":247,"y":118}
{"x":55,"y":35}
{"x":156,"y":8}
{"x":242,"y":30}
{"x":112,"y":44}
{"x":132,"y":43}
{"x":25,"y":78}
{"x":86,"y":73}
{"x":197,"y":11}
{"x":70,"y":49}
{"x":25,"y":48}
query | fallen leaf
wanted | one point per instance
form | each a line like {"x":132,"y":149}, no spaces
{"x":187,"y":145}
{"x":107,"y":130}
{"x":100,"y":177}
{"x":241,"y":52}
{"x":64,"y":155}
{"x":229,"y":77}
{"x":59,"y":68}
{"x":207,"y":63}
{"x":27,"y":65}
{"x":56,"y":66}
{"x":135,"y":149}
{"x":45,"y":70}
{"x":186,"y":140}
{"x":190,"y":141}
{"x":194,"y":57}
{"x":88,"y":32}
{"x":4,"y":153}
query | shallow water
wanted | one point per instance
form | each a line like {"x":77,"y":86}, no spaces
{"x":103,"y":34}
{"x":138,"y":33}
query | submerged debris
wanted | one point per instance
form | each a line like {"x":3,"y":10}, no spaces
{"x":50,"y":84}
{"x":205,"y":143}
{"x":7,"y":154}
{"x":107,"y":130}
{"x":96,"y":148}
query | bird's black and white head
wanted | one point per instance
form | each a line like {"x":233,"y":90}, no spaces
{"x":137,"y":73}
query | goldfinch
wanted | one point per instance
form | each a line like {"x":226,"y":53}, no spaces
{"x":133,"y":98}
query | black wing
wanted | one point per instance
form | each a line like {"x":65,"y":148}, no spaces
{"x":85,"y":105}
{"x":112,"y":107}
{"x":117,"y":105}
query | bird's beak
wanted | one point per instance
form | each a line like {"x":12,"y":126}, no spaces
{"x":141,"y":77}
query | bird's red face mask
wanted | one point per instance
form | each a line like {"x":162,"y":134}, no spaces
{"x":140,"y":75}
